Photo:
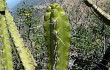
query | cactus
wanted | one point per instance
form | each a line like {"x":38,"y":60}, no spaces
{"x":57,"y":36}
{"x":5,"y":46}
{"x":24,"y":53}
{"x":7,"y":26}
{"x":6,"y":62}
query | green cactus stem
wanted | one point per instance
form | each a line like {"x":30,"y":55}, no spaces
{"x":57,"y":36}
{"x":6,"y":62}
{"x":7,"y":26}
{"x":24,"y":53}
{"x":5,"y":46}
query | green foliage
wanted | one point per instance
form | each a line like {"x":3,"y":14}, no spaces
{"x":88,"y":44}
{"x":31,"y":30}
{"x":86,"y":39}
{"x":29,"y":25}
{"x":57,"y":36}
{"x":90,"y":41}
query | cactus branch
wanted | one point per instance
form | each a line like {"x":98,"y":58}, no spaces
{"x":6,"y":61}
{"x":105,"y":17}
{"x":57,"y":36}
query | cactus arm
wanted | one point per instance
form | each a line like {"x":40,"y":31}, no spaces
{"x":5,"y":46}
{"x":24,"y":53}
{"x":63,"y":29}
{"x":102,"y":14}
{"x":57,"y":34}
{"x":101,"y":11}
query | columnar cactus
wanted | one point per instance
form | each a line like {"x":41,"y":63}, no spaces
{"x":24,"y":53}
{"x":5,"y":45}
{"x":7,"y":26}
{"x":57,"y":36}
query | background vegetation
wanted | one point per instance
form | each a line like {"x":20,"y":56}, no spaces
{"x":89,"y":35}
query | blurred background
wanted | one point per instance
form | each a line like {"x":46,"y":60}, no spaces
{"x":90,"y":36}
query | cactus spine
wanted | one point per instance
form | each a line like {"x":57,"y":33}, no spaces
{"x":57,"y":36}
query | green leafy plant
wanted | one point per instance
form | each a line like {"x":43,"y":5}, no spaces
{"x":104,"y":17}
{"x":31,"y":31}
